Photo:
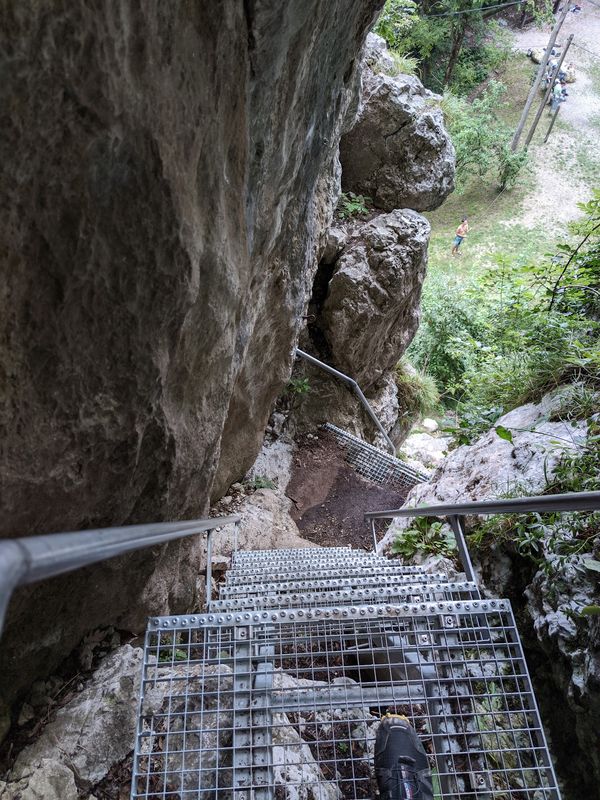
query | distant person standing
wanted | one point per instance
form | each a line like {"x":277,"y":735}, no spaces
{"x":461,"y":232}
{"x":556,"y":97}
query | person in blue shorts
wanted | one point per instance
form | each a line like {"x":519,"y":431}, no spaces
{"x":461,"y":232}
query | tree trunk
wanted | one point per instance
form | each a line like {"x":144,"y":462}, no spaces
{"x":457,"y":40}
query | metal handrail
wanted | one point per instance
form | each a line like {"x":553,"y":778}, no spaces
{"x":355,"y":388}
{"x":572,"y":501}
{"x":35,"y":558}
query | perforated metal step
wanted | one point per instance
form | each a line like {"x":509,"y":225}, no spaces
{"x":286,"y":703}
{"x":412,"y":593}
{"x":283,"y":568}
{"x":348,"y":582}
{"x":232,"y":578}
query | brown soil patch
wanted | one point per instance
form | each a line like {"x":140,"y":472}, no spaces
{"x":330,"y":498}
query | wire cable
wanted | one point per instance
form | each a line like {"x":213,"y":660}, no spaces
{"x":473,"y":10}
{"x":591,"y":52}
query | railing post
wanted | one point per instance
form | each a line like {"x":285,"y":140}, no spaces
{"x":455,"y":523}
{"x":374,"y":532}
{"x":208,"y":591}
{"x":236,"y":532}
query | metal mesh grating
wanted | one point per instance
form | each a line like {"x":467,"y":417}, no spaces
{"x":286,"y":704}
{"x":374,"y":464}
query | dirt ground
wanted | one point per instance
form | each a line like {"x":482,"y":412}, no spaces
{"x":329,"y":498}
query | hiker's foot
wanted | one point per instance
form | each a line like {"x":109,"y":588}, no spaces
{"x":401,"y":764}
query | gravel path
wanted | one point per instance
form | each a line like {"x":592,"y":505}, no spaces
{"x":559,"y":181}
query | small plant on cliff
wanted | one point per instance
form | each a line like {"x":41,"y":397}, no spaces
{"x":425,"y":538}
{"x":417,"y":391}
{"x":298,"y":386}
{"x":403,"y":65}
{"x":352,"y":205}
{"x":260,"y":482}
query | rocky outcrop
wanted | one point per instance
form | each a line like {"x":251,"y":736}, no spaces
{"x":426,"y":450}
{"x":168,"y":173}
{"x":364,"y":309}
{"x":492,"y":466}
{"x":398,"y":152}
{"x":568,"y":667}
{"x":86,"y":737}
{"x":371,"y":311}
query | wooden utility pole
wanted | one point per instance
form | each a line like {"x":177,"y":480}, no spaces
{"x":538,"y":78}
{"x":552,"y":121}
{"x":547,"y":94}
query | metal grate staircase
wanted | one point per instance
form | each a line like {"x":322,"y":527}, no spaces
{"x":278,"y":690}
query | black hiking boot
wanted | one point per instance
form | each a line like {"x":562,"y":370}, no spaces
{"x":401,"y":763}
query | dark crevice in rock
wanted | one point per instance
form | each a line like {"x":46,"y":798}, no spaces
{"x":315,"y":307}
{"x":249,"y":17}
{"x":401,"y":127}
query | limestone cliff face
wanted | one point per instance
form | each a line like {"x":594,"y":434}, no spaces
{"x":165,"y":172}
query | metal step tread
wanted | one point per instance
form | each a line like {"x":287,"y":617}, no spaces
{"x":412,"y":593}
{"x":315,"y":584}
{"x":289,"y":551}
{"x":339,"y":564}
{"x":232,"y":579}
{"x":310,"y":557}
{"x":274,"y":704}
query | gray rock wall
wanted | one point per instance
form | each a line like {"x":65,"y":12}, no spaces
{"x":372,"y":308}
{"x":167,"y":174}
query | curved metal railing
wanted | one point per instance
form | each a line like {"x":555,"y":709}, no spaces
{"x":355,"y":388}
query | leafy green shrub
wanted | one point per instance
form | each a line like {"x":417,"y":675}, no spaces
{"x":352,"y":205}
{"x":395,"y":20}
{"x":481,"y":139}
{"x":298,"y":386}
{"x":515,"y":334}
{"x":425,"y":538}
{"x":447,"y":339}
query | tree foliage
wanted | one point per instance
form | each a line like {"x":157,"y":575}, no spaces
{"x":517,"y":332}
{"x":481,"y":139}
{"x":455,"y":43}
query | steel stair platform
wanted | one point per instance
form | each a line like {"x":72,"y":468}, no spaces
{"x":278,"y":690}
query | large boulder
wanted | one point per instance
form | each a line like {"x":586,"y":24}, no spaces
{"x":398,"y":152}
{"x":169,"y":171}
{"x":371,"y":310}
